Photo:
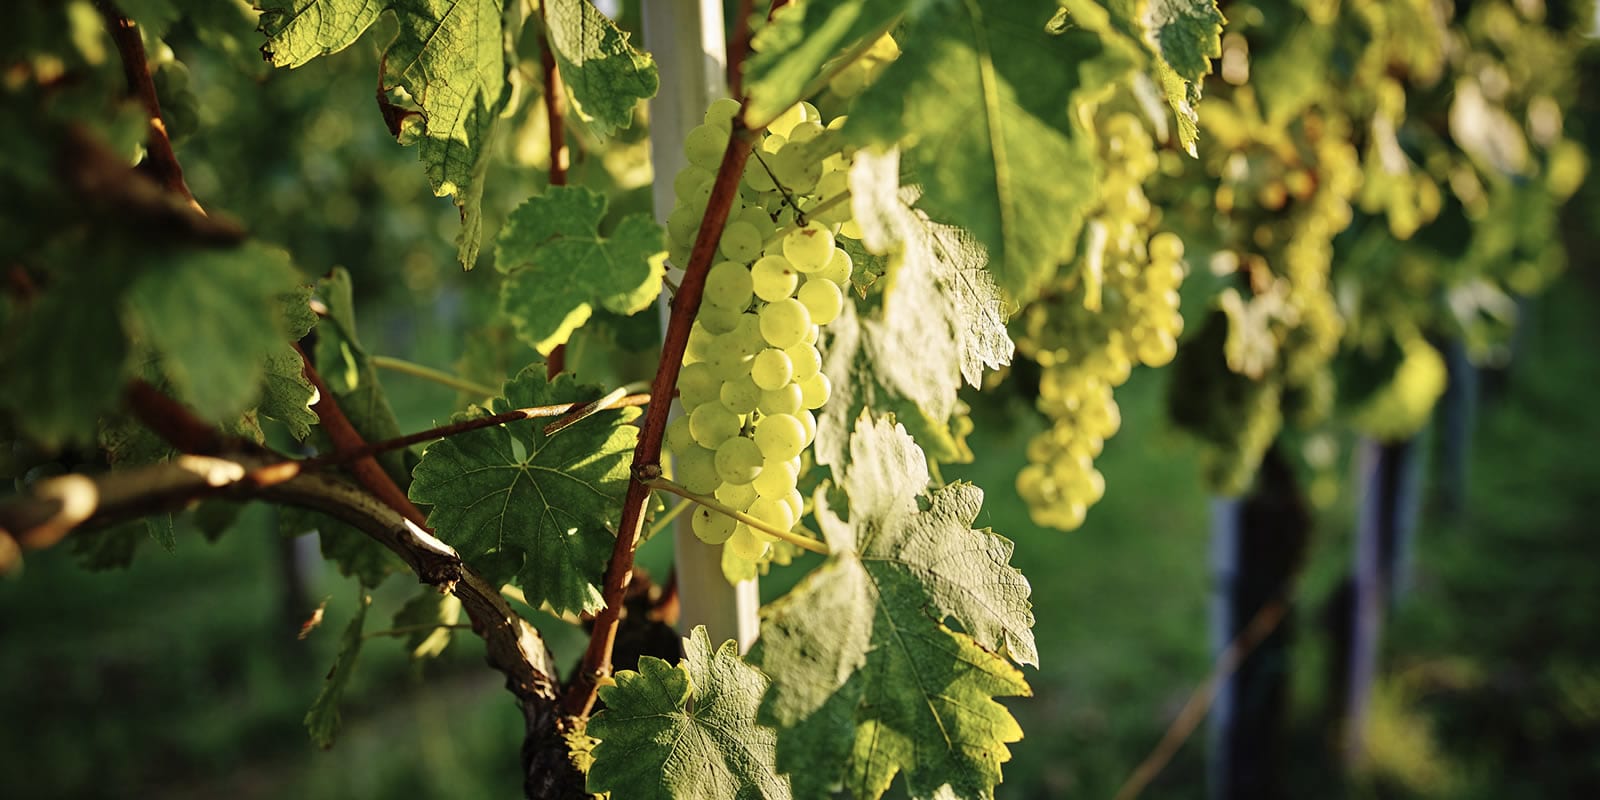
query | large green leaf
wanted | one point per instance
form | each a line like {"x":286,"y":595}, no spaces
{"x":605,"y":75}
{"x":214,"y":317}
{"x":939,"y":302}
{"x":451,"y":58}
{"x":868,"y":682}
{"x":63,"y":361}
{"x":787,"y":64}
{"x":322,"y":720}
{"x":984,"y":98}
{"x":559,"y":268}
{"x":514,"y":501}
{"x":686,"y":731}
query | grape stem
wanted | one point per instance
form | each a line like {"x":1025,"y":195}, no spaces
{"x":788,"y":199}
{"x":802,"y":542}
{"x":799,"y":219}
{"x":430,"y":374}
{"x":580,"y":694}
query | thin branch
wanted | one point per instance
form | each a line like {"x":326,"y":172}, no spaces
{"x":1194,"y":710}
{"x":580,"y":694}
{"x":440,"y":377}
{"x":802,"y":542}
{"x":614,"y":399}
{"x":556,"y":362}
{"x":136,"y":68}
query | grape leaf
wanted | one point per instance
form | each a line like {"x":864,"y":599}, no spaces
{"x":451,"y":57}
{"x":322,"y":720}
{"x":859,"y":653}
{"x":1182,"y":36}
{"x":939,"y":302}
{"x":558,"y":268}
{"x":429,"y":607}
{"x":63,"y":360}
{"x":686,"y":731}
{"x":286,"y":395}
{"x":984,"y":103}
{"x":540,"y":507}
{"x":353,"y":552}
{"x":605,"y":75}
{"x":213,"y":317}
{"x":787,"y":63}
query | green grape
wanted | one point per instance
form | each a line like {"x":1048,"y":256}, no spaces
{"x":741,"y":241}
{"x":1158,"y":349}
{"x":721,"y":112}
{"x":756,"y":176}
{"x":771,"y":370}
{"x":718,"y":320}
{"x":697,"y":385}
{"x":779,"y":436}
{"x":728,"y":286}
{"x":682,"y":225}
{"x":678,"y":436}
{"x":806,"y":131}
{"x":740,"y":395}
{"x":737,"y":495}
{"x":690,"y":179}
{"x":774,"y":512}
{"x":701,"y":343}
{"x":837,"y":269}
{"x":785,"y":122}
{"x":746,"y":543}
{"x":758,"y":216}
{"x":777,"y":478}
{"x":805,"y":359}
{"x":738,"y":460}
{"x":822,"y":299}
{"x":713,"y":527}
{"x":815,"y":390}
{"x":696,"y":469}
{"x":729,"y":363}
{"x":808,"y":424}
{"x":795,"y":169}
{"x":704,"y":145}
{"x":785,"y":323}
{"x":809,"y":248}
{"x":796,"y":504}
{"x":712,"y":424}
{"x":1166,"y":247}
{"x":773,"y":278}
{"x":785,"y":399}
{"x":811,"y":334}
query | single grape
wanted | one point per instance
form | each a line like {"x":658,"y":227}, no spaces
{"x":690,"y":179}
{"x":701,"y":343}
{"x":777,"y":478}
{"x":823,"y":299}
{"x":815,"y":390}
{"x":785,"y":323}
{"x":773,"y":511}
{"x":785,"y":122}
{"x":718,"y":320}
{"x":808,"y":423}
{"x":795,"y":169}
{"x":806,"y":131}
{"x":806,"y":359}
{"x":779,"y":436}
{"x":696,"y":469}
{"x":712,"y":424}
{"x":838,"y":268}
{"x":741,"y":242}
{"x":697,"y":385}
{"x":1166,"y":246}
{"x":796,"y":503}
{"x":678,"y":436}
{"x":771,"y":369}
{"x":757,"y":216}
{"x":740,"y":395}
{"x":813,"y":332}
{"x":773,"y":278}
{"x":1158,"y":350}
{"x":728,"y":286}
{"x":786,"y":399}
{"x":682,"y":224}
{"x":738,"y":460}
{"x":737,"y":495}
{"x":850,"y":230}
{"x":721,"y":112}
{"x":756,"y":176}
{"x":704,"y":146}
{"x":809,"y":248}
{"x":746,"y":543}
{"x":713,"y":527}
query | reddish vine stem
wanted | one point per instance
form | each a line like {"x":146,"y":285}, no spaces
{"x":171,"y":421}
{"x":557,"y":361}
{"x":345,"y":437}
{"x":136,"y":68}
{"x":739,"y":47}
{"x":580,"y":694}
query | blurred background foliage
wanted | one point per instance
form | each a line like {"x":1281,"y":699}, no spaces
{"x":183,"y":677}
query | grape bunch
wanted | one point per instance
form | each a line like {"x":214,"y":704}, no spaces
{"x":752,"y":373}
{"x":1120,"y":307}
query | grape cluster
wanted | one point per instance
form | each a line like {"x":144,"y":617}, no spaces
{"x":1119,"y":308}
{"x":752,"y":373}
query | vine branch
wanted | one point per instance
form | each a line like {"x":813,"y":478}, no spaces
{"x":580,"y":694}
{"x":556,"y":362}
{"x":136,"y":69}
